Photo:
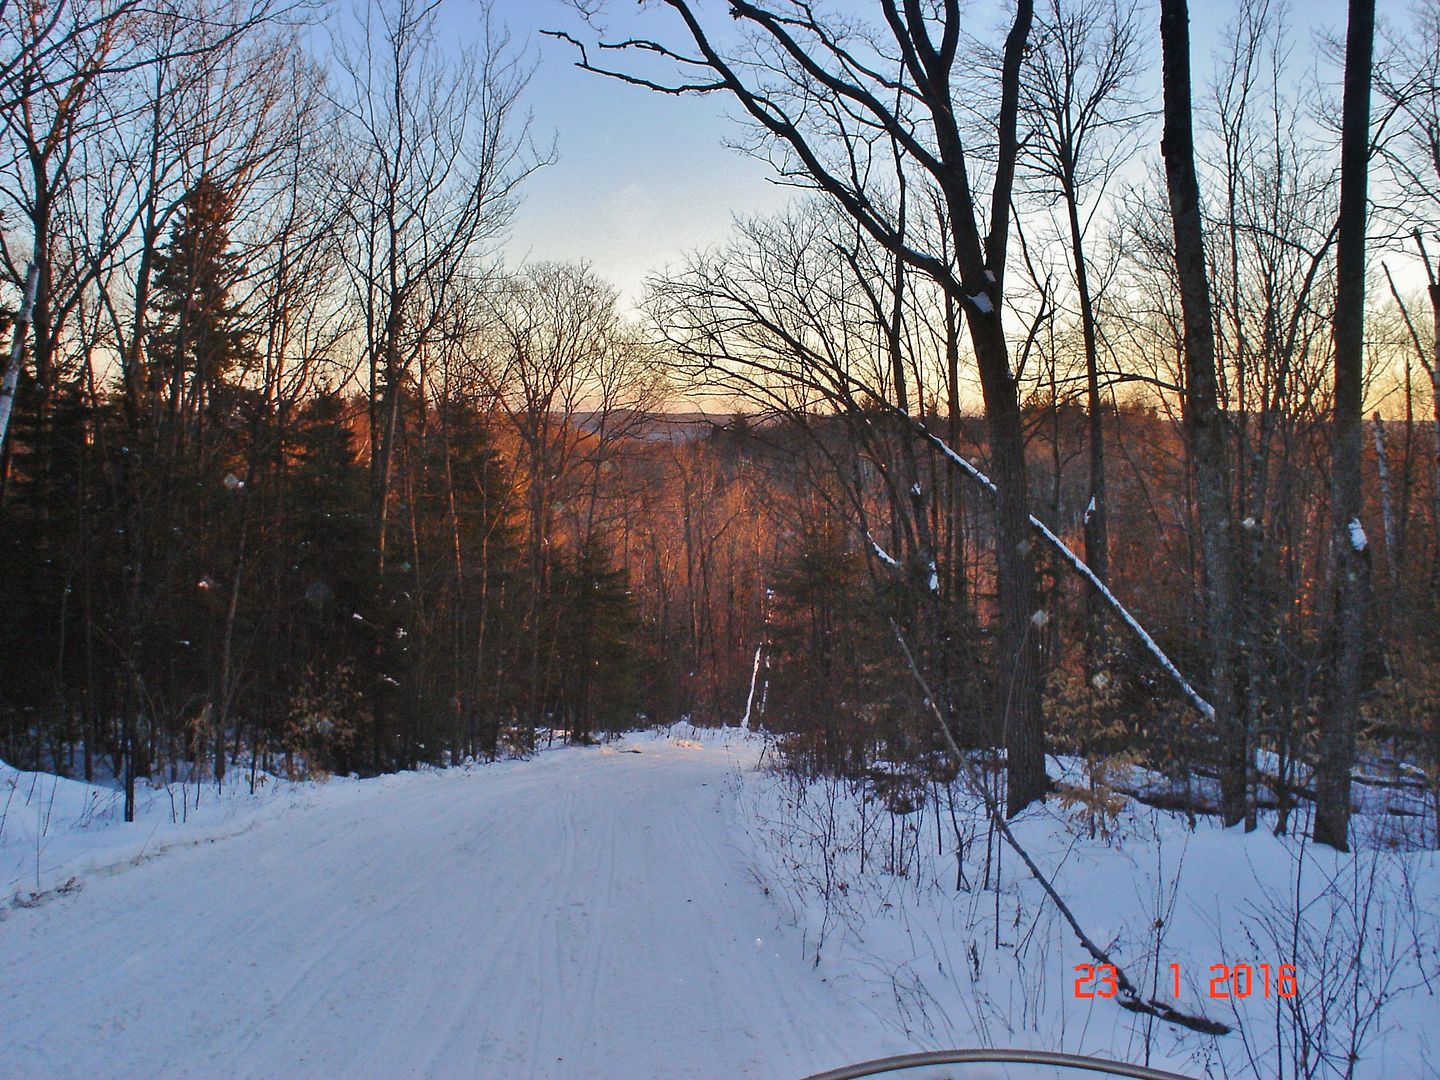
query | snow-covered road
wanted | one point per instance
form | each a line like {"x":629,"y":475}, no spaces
{"x":587,"y":913}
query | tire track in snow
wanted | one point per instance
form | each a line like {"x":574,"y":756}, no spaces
{"x":580,"y":914}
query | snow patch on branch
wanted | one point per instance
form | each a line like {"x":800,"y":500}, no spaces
{"x":884,"y":555}
{"x":1358,"y":540}
{"x":982,"y":304}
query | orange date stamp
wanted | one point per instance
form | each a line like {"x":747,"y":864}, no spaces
{"x":1226,"y":981}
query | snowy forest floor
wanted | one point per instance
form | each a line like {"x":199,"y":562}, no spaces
{"x":660,"y":907}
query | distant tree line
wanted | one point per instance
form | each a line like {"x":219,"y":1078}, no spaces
{"x":997,"y":206}
{"x":300,"y":475}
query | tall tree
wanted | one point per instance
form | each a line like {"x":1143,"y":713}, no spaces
{"x":437,"y":149}
{"x":1204,"y":418}
{"x":199,"y":339}
{"x":1079,"y":106}
{"x":1351,"y":554}
{"x":843,"y":108}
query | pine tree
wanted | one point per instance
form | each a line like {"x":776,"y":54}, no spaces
{"x":834,"y":681}
{"x":598,"y":644}
{"x":332,"y":591}
{"x":200,"y":338}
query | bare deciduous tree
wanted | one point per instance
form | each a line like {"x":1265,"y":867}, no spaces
{"x":847,"y":107}
{"x":439,"y":149}
{"x":1352,"y":556}
{"x":1204,"y":418}
{"x":1080,"y":107}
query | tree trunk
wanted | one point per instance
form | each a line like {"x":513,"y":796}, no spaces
{"x":1019,"y":708}
{"x":1097,"y":538}
{"x":1387,"y":515}
{"x":1433,"y":371}
{"x":1021,"y":711}
{"x":1352,"y":557}
{"x":1204,"y":420}
{"x":226,"y":692}
{"x":11,"y":377}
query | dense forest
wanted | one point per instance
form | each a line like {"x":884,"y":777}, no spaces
{"x":302,"y":475}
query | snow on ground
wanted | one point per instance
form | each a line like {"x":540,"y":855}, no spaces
{"x":54,"y":831}
{"x":983,"y":966}
{"x":589,"y":912}
{"x":659,"y":907}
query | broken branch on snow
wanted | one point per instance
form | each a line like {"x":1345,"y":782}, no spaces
{"x":1129,"y":997}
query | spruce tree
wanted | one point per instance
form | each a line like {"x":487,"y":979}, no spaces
{"x":199,"y":338}
{"x":835,"y":680}
{"x":598,"y":644}
{"x":332,"y":593}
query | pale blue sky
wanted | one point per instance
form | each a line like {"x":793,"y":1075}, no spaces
{"x":643,"y":178}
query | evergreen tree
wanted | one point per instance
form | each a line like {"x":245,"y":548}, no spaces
{"x":331,"y":592}
{"x":200,"y":338}
{"x":598,"y":647}
{"x":834,"y":679}
{"x":470,"y":559}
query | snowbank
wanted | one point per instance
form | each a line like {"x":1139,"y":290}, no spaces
{"x":54,"y":831}
{"x":965,"y":951}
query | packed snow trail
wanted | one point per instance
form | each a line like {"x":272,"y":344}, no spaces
{"x":586,"y":913}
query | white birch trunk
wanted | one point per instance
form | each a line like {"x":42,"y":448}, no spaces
{"x":17,"y":351}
